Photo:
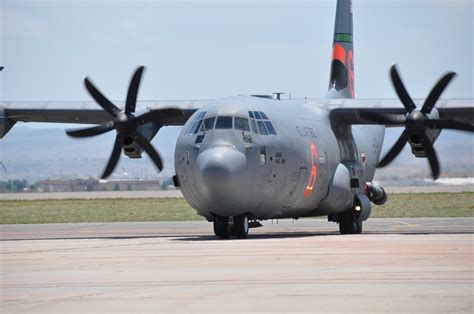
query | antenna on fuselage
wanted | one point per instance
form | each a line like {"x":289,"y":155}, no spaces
{"x":278,"y":95}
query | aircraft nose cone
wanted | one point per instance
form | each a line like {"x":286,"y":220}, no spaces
{"x":223,"y":177}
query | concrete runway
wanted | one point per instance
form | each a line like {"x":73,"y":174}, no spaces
{"x":398,"y":265}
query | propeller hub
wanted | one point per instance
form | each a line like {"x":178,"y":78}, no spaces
{"x":125,"y":123}
{"x":415,"y":121}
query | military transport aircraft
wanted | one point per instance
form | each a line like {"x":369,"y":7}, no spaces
{"x":240,"y":160}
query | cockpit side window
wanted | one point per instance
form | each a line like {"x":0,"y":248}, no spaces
{"x":192,"y":127}
{"x":253,"y":124}
{"x":270,"y":128}
{"x":198,"y":125}
{"x":262,"y":128}
{"x":224,"y":123}
{"x":241,"y":124}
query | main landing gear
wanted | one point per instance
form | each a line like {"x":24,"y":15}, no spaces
{"x":348,"y":224}
{"x":225,"y":227}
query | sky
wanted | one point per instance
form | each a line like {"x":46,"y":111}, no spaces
{"x":212,"y":49}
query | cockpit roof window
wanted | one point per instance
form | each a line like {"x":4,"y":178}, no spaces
{"x":224,"y":123}
{"x":262,"y":128}
{"x":200,"y":115}
{"x":264,"y":116}
{"x":241,"y":124}
{"x":251,"y":114}
{"x":257,"y":115}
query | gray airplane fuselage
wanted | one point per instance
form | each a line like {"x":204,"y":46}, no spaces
{"x":232,"y":169}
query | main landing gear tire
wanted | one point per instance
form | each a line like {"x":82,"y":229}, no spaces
{"x":241,"y":226}
{"x":221,"y":227}
{"x":348,"y":224}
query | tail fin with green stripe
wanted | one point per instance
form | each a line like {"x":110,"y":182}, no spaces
{"x":341,"y":82}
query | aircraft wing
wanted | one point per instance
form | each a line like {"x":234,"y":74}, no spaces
{"x":422,"y":123}
{"x":84,"y":112}
{"x":372,"y":111}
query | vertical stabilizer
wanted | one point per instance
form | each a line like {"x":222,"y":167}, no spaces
{"x":341,"y":82}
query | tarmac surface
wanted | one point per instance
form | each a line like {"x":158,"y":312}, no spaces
{"x":397,"y":265}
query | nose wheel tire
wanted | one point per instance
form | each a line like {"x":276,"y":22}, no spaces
{"x":348,"y":225}
{"x":241,"y":226}
{"x":221,"y":227}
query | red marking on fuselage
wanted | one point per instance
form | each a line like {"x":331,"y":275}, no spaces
{"x":339,"y":53}
{"x":350,"y":69}
{"x":312,"y":178}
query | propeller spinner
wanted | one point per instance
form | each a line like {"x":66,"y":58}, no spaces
{"x":125,"y":122}
{"x":418,"y":121}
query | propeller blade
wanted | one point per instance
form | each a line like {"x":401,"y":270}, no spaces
{"x":131,"y":101}
{"x":114,"y":157}
{"x":106,"y":104}
{"x":401,"y":90}
{"x":450,"y":124}
{"x":92,"y":131}
{"x":436,"y":92}
{"x":143,"y":142}
{"x":383,"y":118}
{"x":431,"y":154}
{"x":162,"y":116}
{"x":395,"y":150}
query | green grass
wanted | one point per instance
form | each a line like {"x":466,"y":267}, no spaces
{"x":96,"y":210}
{"x":426,"y":205}
{"x":175,"y":209}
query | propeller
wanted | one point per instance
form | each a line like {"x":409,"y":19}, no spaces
{"x":125,"y":122}
{"x":418,"y":121}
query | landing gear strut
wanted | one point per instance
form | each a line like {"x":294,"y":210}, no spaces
{"x":224,"y":227}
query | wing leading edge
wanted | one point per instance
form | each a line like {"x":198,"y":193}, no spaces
{"x":76,"y":112}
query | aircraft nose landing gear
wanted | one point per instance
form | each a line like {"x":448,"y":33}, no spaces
{"x":238,"y":226}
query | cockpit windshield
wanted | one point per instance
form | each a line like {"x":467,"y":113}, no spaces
{"x":241,"y":124}
{"x":208,"y":123}
{"x":224,"y":123}
{"x":259,"y":123}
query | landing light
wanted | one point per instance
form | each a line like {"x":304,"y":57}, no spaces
{"x":357,"y":208}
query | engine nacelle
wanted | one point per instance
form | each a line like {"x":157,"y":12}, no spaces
{"x":375,"y":193}
{"x":415,"y":141}
{"x":131,"y":148}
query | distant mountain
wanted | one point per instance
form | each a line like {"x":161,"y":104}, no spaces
{"x":455,"y":151}
{"x":36,"y":153}
{"x":42,"y":153}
